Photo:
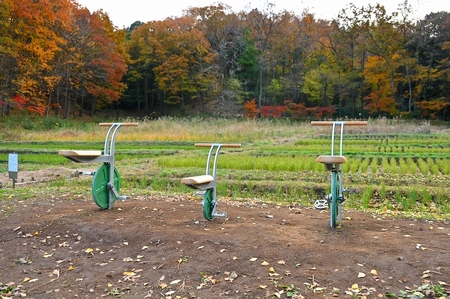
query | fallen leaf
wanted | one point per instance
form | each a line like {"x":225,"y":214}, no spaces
{"x":264,"y":263}
{"x":253,"y":259}
{"x":374,"y":272}
{"x":360,"y":275}
{"x":89,"y":250}
{"x":175,"y":281}
{"x":26,"y":279}
{"x":129,"y":273}
{"x":71,"y":268}
{"x":281,"y":262}
{"x":262,"y":286}
{"x":271,"y":269}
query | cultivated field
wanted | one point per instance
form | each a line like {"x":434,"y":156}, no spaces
{"x":56,"y":243}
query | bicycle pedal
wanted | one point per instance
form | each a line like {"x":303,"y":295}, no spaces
{"x":321,"y":204}
{"x":86,"y":172}
{"x":220,"y":215}
{"x":123,"y":197}
{"x":200,"y":193}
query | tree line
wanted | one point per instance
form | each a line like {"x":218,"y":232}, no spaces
{"x":58,"y":58}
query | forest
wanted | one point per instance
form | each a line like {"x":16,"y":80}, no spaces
{"x":57,"y":58}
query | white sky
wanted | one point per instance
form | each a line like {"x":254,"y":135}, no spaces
{"x":124,"y":13}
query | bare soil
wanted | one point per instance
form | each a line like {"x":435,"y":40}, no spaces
{"x":159,"y":246}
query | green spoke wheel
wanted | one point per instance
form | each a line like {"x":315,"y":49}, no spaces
{"x":334,"y":209}
{"x":100,"y":191}
{"x":208,"y":204}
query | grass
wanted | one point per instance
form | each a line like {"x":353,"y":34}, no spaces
{"x":276,"y":162}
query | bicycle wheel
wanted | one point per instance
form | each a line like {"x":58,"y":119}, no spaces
{"x":334,"y":208}
{"x":100,"y":191}
{"x":208,"y":204}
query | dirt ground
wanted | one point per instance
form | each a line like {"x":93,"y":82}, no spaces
{"x":160,"y":246}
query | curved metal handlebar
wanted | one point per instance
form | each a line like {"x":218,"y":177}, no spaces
{"x":347,"y":123}
{"x":122,"y":124}
{"x":221,"y":144}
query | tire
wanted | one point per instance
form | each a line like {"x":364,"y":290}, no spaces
{"x":334,"y":208}
{"x":100,"y":191}
{"x":208,"y":204}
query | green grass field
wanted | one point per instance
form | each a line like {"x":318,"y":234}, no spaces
{"x":394,"y":166}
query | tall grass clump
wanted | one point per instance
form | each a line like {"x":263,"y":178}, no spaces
{"x":404,"y":169}
{"x":365,"y":164}
{"x":412,"y":197}
{"x":383,"y":191}
{"x":423,"y":166}
{"x":411,"y":165}
{"x":366,"y":197}
{"x":432,"y":166}
{"x":444,"y":166}
{"x":374,"y":165}
{"x":386,"y":165}
{"x":426,"y":197}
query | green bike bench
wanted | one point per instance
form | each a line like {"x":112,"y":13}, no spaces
{"x":333,"y":163}
{"x":106,"y":181}
{"x":206,"y":184}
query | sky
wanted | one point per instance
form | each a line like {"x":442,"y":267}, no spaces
{"x":124,"y":13}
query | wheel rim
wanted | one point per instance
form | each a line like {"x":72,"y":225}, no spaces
{"x":100,"y":191}
{"x":208,"y":205}
{"x":334,"y":200}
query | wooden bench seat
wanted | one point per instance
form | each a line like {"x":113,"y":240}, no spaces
{"x":80,"y":156}
{"x":331,"y":159}
{"x":197,"y":180}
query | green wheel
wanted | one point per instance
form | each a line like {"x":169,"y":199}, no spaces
{"x":334,"y":209}
{"x":100,"y":191}
{"x":208,"y":204}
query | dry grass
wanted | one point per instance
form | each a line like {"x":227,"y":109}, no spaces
{"x":224,"y":130}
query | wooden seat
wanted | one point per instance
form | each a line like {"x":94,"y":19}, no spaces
{"x":331,"y":159}
{"x":80,"y":156}
{"x":197,"y":180}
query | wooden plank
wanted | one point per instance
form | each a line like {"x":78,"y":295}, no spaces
{"x":197,"y":180}
{"x":347,"y":123}
{"x":221,"y":144}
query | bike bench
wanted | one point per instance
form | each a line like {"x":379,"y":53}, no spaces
{"x":333,"y":163}
{"x":106,"y":181}
{"x":207,"y":182}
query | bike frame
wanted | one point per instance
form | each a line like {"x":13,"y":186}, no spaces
{"x":333,"y":163}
